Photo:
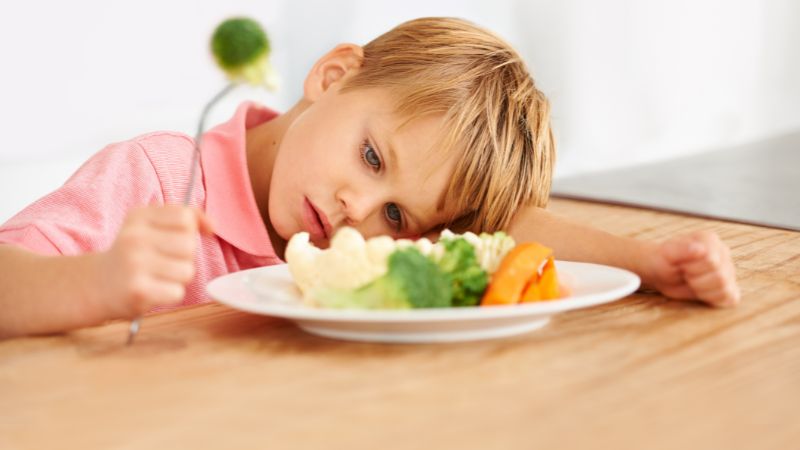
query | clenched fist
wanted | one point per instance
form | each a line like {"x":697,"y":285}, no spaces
{"x":151,"y":260}
{"x":695,"y":266}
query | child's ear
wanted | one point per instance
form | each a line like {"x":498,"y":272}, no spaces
{"x":338,"y":63}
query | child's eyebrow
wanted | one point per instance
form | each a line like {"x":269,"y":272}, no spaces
{"x":390,"y":151}
{"x":379,"y":132}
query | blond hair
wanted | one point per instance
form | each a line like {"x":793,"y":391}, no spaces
{"x":492,"y":111}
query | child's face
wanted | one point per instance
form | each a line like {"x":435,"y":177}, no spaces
{"x":334,"y":165}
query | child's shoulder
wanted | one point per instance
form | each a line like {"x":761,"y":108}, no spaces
{"x":165,"y":148}
{"x":167,"y":154}
{"x":164,"y":142}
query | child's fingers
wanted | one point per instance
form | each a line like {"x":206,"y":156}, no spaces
{"x":172,"y":217}
{"x":179,"y":245}
{"x":732,"y":296}
{"x":680,"y":292}
{"x":176,"y":226}
{"x":163,"y":293}
{"x":179,"y":218}
{"x":172,"y":269}
{"x":707,"y":265}
{"x":670,"y":275}
{"x":682,"y":249}
{"x":717,"y":259}
{"x":708,"y":282}
{"x":714,"y":280}
{"x":145,"y":291}
{"x":703,"y":263}
{"x":726,"y":296}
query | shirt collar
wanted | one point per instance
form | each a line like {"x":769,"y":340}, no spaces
{"x":230,"y":202}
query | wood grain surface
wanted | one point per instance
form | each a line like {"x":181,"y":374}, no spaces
{"x":643,"y":372}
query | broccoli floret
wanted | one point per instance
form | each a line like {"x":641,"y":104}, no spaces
{"x":411,"y":281}
{"x":241,"y":48}
{"x":469,"y":279}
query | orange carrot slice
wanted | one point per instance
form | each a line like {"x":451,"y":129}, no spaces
{"x":514,"y":273}
{"x":549,"y":281}
{"x":533,"y":292}
{"x":544,"y":286}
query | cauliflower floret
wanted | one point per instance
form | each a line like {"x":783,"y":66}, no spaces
{"x":494,"y":249}
{"x":404,"y":243}
{"x":447,"y":234}
{"x":346,"y":264}
{"x":378,"y":250}
{"x":302,"y":255}
{"x":476,"y":241}
{"x":425,"y":246}
{"x":489,"y":248}
{"x":350,"y":261}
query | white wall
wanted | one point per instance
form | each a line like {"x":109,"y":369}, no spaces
{"x":630,"y":80}
{"x":634,"y":81}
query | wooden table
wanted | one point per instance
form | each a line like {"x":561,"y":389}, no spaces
{"x":644,"y":372}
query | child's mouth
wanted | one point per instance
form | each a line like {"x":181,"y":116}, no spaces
{"x":313,"y":221}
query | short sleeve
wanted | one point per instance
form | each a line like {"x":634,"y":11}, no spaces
{"x":86,"y":213}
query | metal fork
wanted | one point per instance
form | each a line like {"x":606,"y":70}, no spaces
{"x":133,"y":329}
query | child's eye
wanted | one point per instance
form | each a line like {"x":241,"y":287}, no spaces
{"x":392,"y":212}
{"x":370,"y":156}
{"x":394,"y":216}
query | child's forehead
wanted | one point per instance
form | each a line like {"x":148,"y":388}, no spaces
{"x":391,"y":110}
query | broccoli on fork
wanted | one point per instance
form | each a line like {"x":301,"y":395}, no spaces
{"x":241,"y":48}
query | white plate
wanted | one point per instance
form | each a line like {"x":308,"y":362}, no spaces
{"x":271,"y":291}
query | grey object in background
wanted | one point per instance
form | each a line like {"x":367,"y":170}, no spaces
{"x":756,"y":183}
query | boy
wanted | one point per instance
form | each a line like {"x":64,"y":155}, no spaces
{"x":435,"y":124}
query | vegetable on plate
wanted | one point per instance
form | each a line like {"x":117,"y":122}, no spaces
{"x":459,"y":270}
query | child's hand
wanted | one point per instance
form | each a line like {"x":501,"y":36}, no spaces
{"x":152,"y":259}
{"x":695,"y":266}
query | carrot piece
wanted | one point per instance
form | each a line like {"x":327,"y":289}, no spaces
{"x":533,"y":292}
{"x":549,"y":281}
{"x":514,"y":273}
{"x":544,"y":286}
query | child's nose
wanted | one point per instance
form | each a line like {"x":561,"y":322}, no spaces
{"x":357,"y":208}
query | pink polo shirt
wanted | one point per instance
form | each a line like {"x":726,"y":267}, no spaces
{"x":86,"y":213}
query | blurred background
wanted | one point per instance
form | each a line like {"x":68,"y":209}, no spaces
{"x":630,"y":81}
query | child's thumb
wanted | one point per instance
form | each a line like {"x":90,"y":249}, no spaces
{"x":682,"y":249}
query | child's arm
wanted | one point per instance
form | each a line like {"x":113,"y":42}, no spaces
{"x":149,"y":264}
{"x":693,"y":266}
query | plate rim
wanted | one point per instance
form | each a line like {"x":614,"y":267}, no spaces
{"x":303,"y":312}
